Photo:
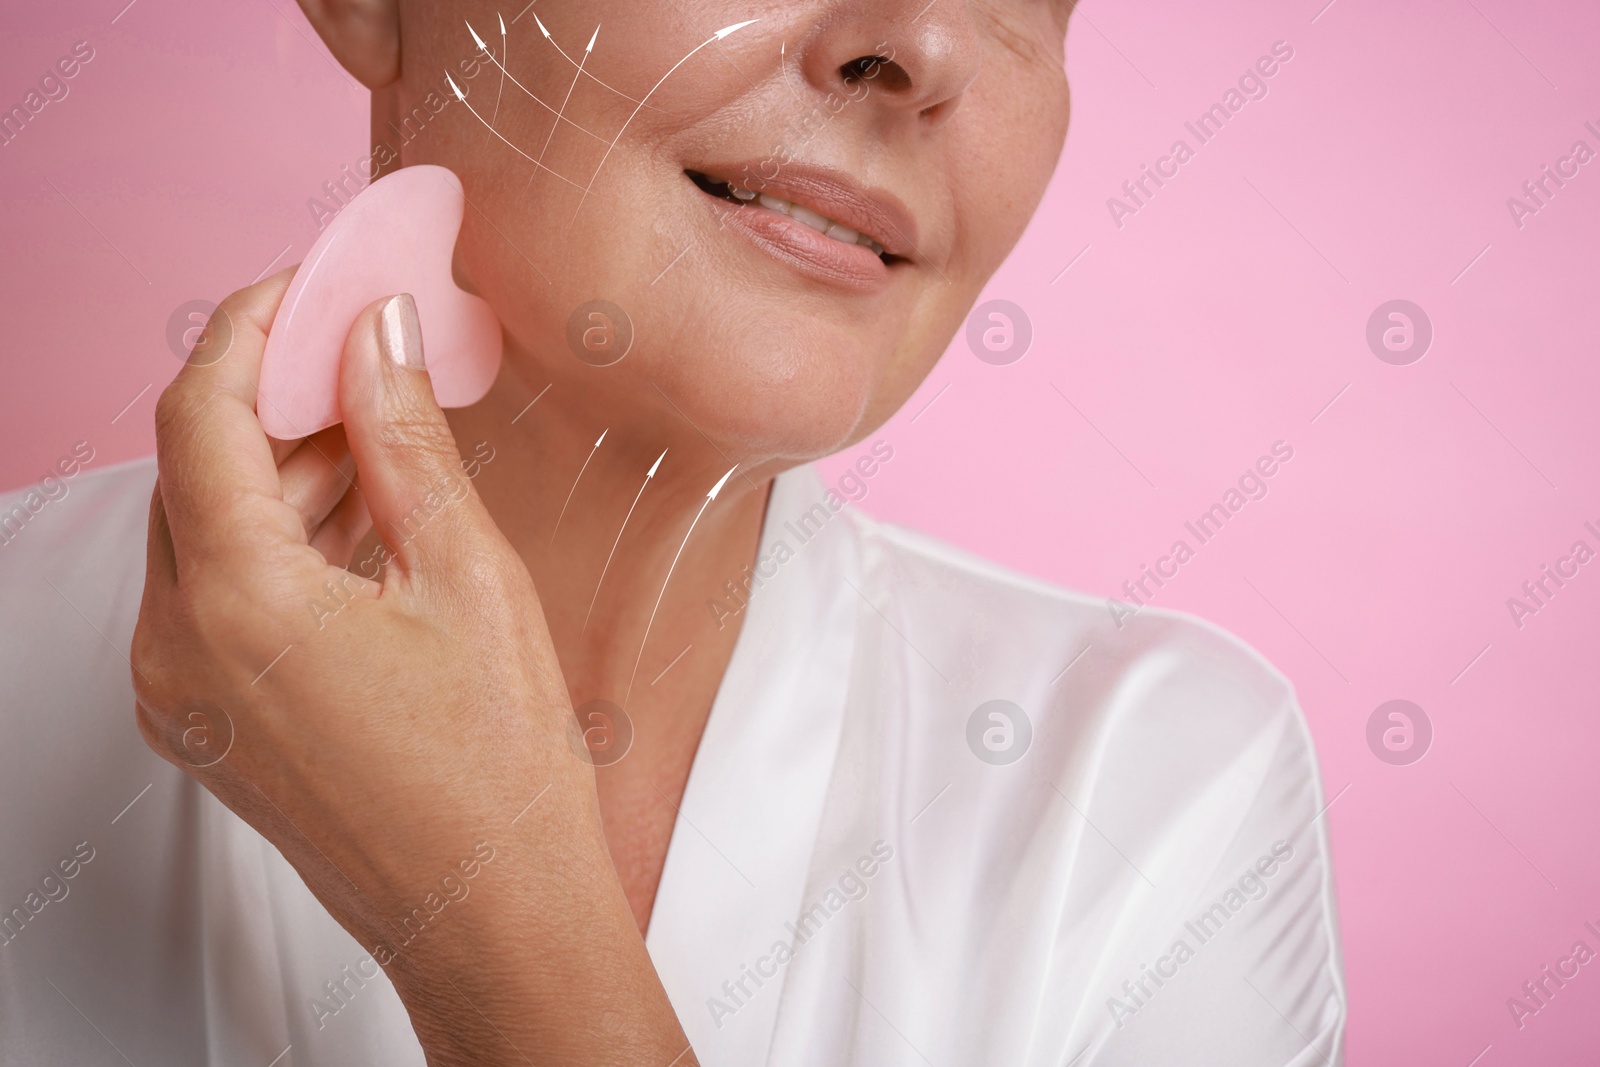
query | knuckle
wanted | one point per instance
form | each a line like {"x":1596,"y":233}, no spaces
{"x":168,"y":406}
{"x":153,"y":692}
{"x":231,"y":306}
{"x":150,"y":727}
{"x":157,"y":634}
{"x":176,"y":409}
{"x":216,"y":340}
{"x":149,"y":680}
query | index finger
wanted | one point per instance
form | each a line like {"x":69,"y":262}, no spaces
{"x":219,"y":481}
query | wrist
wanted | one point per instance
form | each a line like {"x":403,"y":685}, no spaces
{"x":541,"y":961}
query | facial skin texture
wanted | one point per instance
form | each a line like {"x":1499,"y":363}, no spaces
{"x":773,"y":366}
{"x":436,"y":699}
{"x":740,"y":357}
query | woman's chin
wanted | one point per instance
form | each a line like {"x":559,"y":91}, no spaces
{"x":755,"y":416}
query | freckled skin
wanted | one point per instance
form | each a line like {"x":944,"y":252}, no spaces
{"x":767,"y":364}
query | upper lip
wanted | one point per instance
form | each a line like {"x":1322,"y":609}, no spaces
{"x":877,"y":213}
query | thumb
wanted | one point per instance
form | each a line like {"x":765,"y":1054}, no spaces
{"x":422,"y":504}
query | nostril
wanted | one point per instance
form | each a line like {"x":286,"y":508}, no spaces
{"x":880,"y":70}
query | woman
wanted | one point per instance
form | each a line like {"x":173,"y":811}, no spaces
{"x":586,"y":725}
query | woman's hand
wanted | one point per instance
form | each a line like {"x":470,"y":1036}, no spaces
{"x":406,"y":743}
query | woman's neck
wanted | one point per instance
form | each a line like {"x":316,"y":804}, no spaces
{"x":624,"y":630}
{"x":644,"y":639}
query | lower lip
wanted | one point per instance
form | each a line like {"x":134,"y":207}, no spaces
{"x":797,"y":245}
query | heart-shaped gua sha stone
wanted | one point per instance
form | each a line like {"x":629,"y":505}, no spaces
{"x":396,"y":236}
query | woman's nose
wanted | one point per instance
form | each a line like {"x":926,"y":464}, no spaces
{"x":912,"y":56}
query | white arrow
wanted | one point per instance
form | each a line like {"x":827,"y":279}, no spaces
{"x":715,"y":489}
{"x":506,"y":75}
{"x":719,"y":35}
{"x":562,"y":113}
{"x":505,"y":55}
{"x":642,"y":487}
{"x":461,"y":96}
{"x":575,"y":482}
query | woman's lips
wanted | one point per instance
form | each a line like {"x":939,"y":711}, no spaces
{"x":801,"y":202}
{"x":813,"y":253}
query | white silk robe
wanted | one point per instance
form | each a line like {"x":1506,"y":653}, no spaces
{"x":1124,"y":866}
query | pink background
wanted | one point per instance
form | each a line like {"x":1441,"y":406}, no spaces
{"x":1223,"y":316}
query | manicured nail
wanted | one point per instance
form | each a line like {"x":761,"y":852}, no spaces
{"x":399,"y":332}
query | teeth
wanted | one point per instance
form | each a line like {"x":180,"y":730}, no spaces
{"x":817,"y":221}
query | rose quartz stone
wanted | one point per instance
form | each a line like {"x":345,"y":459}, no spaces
{"x":396,"y":236}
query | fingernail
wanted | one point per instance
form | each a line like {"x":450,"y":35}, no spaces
{"x":400,"y":333}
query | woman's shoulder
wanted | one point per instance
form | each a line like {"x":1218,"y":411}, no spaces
{"x":75,"y":510}
{"x":1005,"y":627}
{"x":72,"y":549}
{"x":71,"y":570}
{"x":1060,"y":770}
{"x":1155,"y":725}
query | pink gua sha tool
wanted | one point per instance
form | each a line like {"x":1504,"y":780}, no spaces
{"x":396,"y":236}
